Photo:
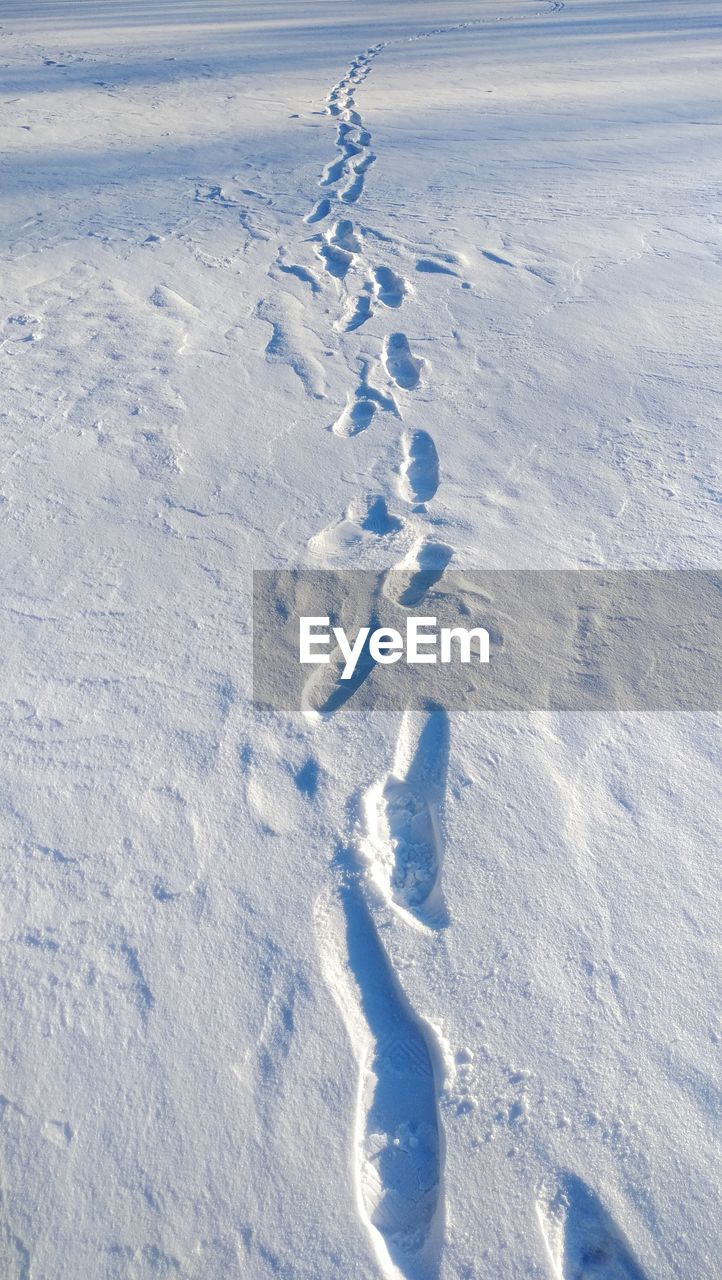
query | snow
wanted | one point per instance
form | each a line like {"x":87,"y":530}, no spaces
{"x":414,"y":994}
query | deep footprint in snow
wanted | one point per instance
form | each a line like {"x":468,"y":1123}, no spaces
{"x":582,"y":1240}
{"x":362,"y":166}
{"x":361,"y":406}
{"x":378,"y":520}
{"x":367,"y":393}
{"x":357,"y":136}
{"x":351,"y":150}
{"x":286,"y":345}
{"x":402,"y":367}
{"x":361,"y":313}
{"x":344,"y":237}
{"x":336,"y":261}
{"x":404,"y":816}
{"x":390,"y":288}
{"x":333,"y":172}
{"x":354,"y":190}
{"x":356,"y":417}
{"x":320,"y":211}
{"x":325,"y":692}
{"x":409,"y":583}
{"x":368,"y":518}
{"x":399,"y":1152}
{"x":419,"y":474}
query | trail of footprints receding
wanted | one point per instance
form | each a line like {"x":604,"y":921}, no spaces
{"x":399,"y":1141}
{"x":399,"y":1147}
{"x":397,"y":371}
{"x":353,"y":140}
{"x":398,"y":859}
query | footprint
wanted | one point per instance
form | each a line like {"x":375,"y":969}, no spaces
{"x":325,"y":692}
{"x":356,"y":417}
{"x":354,"y":134}
{"x":409,"y":583}
{"x":378,"y":520}
{"x":354,"y":190}
{"x":399,"y":1142}
{"x":288,"y":343}
{"x":336,"y":261}
{"x":402,"y":367}
{"x":582,"y":1240}
{"x":419,"y":474}
{"x":333,"y":172}
{"x":403,"y":847}
{"x":351,"y":150}
{"x":344,"y":237}
{"x":390,"y":288}
{"x":319,"y":211}
{"x":369,"y":392}
{"x":364,"y":165}
{"x":368,"y":515}
{"x":361,"y":313}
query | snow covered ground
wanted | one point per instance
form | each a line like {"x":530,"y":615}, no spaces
{"x":421,"y":283}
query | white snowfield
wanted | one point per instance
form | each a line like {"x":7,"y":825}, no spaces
{"x":350,"y":283}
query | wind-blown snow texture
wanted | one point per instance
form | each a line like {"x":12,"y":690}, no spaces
{"x":349,"y":284}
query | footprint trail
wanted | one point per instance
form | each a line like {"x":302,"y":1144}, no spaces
{"x":398,"y":1137}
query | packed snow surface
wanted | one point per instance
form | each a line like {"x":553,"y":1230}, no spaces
{"x":419,"y":995}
